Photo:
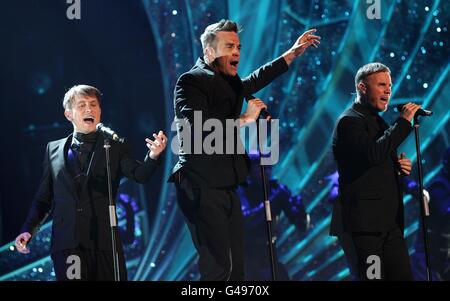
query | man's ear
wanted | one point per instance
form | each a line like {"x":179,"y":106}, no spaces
{"x":210,"y":53}
{"x":362,"y":88}
{"x":68,"y":115}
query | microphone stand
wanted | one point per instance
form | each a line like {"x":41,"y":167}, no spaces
{"x":266,"y":207}
{"x":112,"y":213}
{"x":424,"y":210}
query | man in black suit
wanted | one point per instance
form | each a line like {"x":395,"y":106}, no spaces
{"x":206,"y":182}
{"x":368,"y":216}
{"x":74,"y":186}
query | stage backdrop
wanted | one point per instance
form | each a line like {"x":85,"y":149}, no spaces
{"x":135,"y":50}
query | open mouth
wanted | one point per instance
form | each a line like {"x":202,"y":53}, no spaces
{"x":234,"y":63}
{"x":89,"y":120}
{"x":384,"y":99}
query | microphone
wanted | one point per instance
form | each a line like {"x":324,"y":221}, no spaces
{"x":264,"y":113}
{"x":420,"y":112}
{"x":109,"y":133}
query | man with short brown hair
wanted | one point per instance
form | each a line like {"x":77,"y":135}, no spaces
{"x":206,"y":183}
{"x":368,"y":215}
{"x":74,"y":187}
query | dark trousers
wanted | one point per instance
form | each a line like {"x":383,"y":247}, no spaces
{"x":346,"y":242}
{"x":215,"y":221}
{"x":87,"y":265}
{"x":386,"y":249}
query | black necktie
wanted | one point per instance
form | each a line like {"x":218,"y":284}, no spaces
{"x":79,"y":156}
{"x":82,"y":146}
{"x":76,"y":168}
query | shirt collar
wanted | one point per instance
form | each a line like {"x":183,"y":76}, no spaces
{"x":80,"y":138}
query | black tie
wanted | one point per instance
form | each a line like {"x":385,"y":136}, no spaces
{"x":79,"y":156}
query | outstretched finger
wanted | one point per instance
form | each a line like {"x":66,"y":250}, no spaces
{"x":152,"y":143}
{"x":163,"y":138}
{"x":309,"y":31}
{"x":315,"y":44}
{"x":157,"y":139}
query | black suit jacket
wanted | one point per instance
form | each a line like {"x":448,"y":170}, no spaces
{"x":82,"y":218}
{"x":221,"y":98}
{"x":365,"y":150}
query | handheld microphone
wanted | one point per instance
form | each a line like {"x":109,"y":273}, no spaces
{"x":420,"y":112}
{"x":264,"y":113}
{"x":109,"y":133}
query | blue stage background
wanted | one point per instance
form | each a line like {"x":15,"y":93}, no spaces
{"x":135,"y":50}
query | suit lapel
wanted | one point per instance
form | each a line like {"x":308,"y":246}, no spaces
{"x":60,"y":165}
{"x":377,"y":126}
{"x":365,"y":113}
{"x":59,"y":162}
{"x":96,"y":156}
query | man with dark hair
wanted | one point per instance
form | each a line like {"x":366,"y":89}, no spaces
{"x":369,"y":211}
{"x":74,"y":187}
{"x":206,"y":183}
